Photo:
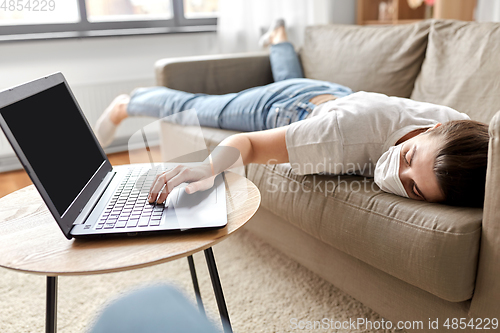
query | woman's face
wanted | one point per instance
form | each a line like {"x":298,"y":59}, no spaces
{"x":416,"y":164}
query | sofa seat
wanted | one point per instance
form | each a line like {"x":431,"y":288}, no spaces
{"x":431,"y":246}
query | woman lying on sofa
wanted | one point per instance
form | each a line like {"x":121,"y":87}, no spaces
{"x":413,"y":149}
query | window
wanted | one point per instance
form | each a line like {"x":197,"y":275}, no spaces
{"x":35,"y":19}
{"x":200,"y":8}
{"x":129,"y":10}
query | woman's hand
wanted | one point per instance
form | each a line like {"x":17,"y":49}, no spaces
{"x":200,"y":178}
{"x":262,"y":147}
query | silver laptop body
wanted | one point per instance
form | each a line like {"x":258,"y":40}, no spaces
{"x":86,"y":195}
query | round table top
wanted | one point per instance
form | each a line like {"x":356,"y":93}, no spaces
{"x":31,"y":241}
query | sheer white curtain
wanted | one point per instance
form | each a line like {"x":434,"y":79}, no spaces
{"x":240,"y":21}
{"x":488,"y":11}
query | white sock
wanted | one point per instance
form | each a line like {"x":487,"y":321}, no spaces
{"x":105,"y":129}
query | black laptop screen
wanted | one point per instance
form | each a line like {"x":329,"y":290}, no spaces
{"x":56,"y":141}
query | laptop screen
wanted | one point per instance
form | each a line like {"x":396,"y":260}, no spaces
{"x":56,"y":141}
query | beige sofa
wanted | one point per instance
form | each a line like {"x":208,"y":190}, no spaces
{"x":407,"y":260}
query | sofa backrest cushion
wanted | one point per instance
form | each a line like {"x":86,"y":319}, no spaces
{"x":462,"y":68}
{"x":384,"y":59}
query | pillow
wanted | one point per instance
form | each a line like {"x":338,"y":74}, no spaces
{"x":383,"y":59}
{"x":462,"y":68}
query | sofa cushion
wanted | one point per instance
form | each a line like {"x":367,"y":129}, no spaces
{"x":462,"y":68}
{"x":431,"y":246}
{"x":384,"y":59}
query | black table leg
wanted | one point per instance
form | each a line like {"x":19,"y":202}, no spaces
{"x":219,"y":296}
{"x":195,"y":284}
{"x":51,"y":310}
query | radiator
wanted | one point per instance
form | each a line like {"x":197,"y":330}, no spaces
{"x":93,"y":99}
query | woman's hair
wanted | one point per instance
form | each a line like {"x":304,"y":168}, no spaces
{"x":460,"y":165}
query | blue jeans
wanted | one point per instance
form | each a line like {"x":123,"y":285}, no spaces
{"x":277,"y":104}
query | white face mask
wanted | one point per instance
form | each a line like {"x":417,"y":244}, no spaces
{"x":387,"y":172}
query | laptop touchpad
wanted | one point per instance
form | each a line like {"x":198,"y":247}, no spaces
{"x":185,"y":200}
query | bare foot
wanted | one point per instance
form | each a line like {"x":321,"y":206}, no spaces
{"x":278,"y":35}
{"x":107,"y":123}
{"x":118,"y":109}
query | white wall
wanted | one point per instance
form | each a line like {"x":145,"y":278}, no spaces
{"x":333,"y":11}
{"x":97,"y":60}
{"x":97,"y":70}
{"x":342,"y":11}
{"x":488,"y":11}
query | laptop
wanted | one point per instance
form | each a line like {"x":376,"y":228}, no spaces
{"x":86,"y":195}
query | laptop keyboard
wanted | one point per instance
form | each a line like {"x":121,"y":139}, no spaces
{"x":129,"y":207}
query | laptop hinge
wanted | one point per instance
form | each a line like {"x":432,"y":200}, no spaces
{"x":94,"y":199}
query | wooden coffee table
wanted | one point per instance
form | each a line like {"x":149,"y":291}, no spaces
{"x":31,"y":242}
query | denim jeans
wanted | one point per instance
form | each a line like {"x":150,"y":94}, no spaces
{"x":277,"y":104}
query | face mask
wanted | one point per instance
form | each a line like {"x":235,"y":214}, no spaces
{"x":387,"y":172}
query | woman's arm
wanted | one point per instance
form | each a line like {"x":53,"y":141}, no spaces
{"x":262,"y":147}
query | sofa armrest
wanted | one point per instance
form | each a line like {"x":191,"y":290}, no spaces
{"x":485,"y":302}
{"x":216,"y":74}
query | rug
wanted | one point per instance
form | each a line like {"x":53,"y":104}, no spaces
{"x":265,"y":291}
